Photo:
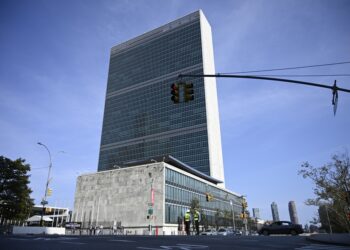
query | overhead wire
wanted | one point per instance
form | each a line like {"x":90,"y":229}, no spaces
{"x":290,"y":68}
{"x":307,"y":75}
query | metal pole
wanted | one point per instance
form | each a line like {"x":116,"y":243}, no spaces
{"x":150,"y":220}
{"x":233,"y":217}
{"x":329,"y":223}
{"x":333,"y":87}
{"x":44,"y":201}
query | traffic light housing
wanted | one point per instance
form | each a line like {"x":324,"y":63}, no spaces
{"x":175,"y":95}
{"x":244,"y":206}
{"x":188,"y":92}
{"x":49,"y":192}
{"x":243,"y":216}
{"x":208,"y":196}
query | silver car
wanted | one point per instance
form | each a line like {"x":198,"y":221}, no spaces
{"x":209,"y":232}
{"x":224,"y":232}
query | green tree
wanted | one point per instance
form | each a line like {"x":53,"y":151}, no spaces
{"x":218,"y":218}
{"x":227,"y":215}
{"x":15,"y":201}
{"x":195,"y":205}
{"x":332,"y":183}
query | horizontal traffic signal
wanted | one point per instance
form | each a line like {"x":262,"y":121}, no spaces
{"x":186,"y":90}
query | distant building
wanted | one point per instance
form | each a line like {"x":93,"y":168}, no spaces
{"x":293,"y":212}
{"x":53,"y":216}
{"x":274,"y":210}
{"x":256,"y":213}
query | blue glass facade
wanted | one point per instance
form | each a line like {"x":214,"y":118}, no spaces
{"x":140,"y":120}
{"x":181,"y":189}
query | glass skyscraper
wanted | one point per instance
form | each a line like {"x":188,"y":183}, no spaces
{"x":140,"y":120}
{"x":274,"y":210}
{"x":293,"y":212}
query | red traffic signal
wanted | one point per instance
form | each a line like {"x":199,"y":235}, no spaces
{"x":175,"y":93}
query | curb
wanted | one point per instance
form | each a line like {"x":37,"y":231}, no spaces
{"x":329,"y":242}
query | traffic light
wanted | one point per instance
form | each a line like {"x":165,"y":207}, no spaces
{"x":188,"y":92}
{"x":208,"y":196}
{"x":49,"y":192}
{"x":175,"y":93}
{"x":244,"y":205}
{"x":243,"y":216}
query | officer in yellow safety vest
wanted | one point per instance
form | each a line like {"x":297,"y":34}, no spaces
{"x":187,"y":220}
{"x":197,"y":219}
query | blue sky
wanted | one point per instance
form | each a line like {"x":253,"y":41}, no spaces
{"x":54,"y":59}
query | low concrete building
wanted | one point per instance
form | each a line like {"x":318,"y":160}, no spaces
{"x":152,"y":193}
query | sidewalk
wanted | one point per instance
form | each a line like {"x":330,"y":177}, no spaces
{"x":337,"y":239}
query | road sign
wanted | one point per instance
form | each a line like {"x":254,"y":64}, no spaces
{"x":43,"y":202}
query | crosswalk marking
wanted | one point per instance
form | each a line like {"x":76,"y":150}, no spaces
{"x":322,"y":247}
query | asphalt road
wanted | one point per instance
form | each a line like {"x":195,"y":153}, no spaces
{"x":13,"y":242}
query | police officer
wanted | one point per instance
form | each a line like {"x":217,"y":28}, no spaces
{"x":196,"y":218}
{"x":187,"y":220}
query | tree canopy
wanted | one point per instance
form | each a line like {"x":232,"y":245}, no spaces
{"x":15,"y":201}
{"x":332,"y":183}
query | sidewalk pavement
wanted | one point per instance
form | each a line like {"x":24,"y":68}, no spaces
{"x":337,"y":239}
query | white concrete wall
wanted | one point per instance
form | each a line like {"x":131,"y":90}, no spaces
{"x":211,"y":102}
{"x":39,"y":230}
{"x":121,"y":195}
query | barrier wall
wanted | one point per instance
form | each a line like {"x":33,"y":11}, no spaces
{"x":39,"y":230}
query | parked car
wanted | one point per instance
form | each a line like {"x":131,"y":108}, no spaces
{"x":237,"y":233}
{"x":281,"y":227}
{"x":253,"y":233}
{"x":209,"y":232}
{"x":224,"y":232}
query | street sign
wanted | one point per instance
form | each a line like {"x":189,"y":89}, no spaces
{"x":43,"y":202}
{"x":73,"y":225}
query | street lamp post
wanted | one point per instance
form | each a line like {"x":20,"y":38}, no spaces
{"x":44,"y":201}
{"x":233,"y":217}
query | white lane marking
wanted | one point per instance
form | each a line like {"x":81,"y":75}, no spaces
{"x":123,"y":240}
{"x":178,"y":246}
{"x":76,"y":243}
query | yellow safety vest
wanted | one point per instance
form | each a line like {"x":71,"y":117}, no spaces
{"x":187,"y":216}
{"x":196,"y":216}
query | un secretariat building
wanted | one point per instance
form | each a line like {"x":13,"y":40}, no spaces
{"x":157,"y":156}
